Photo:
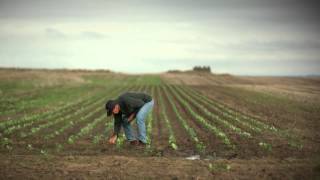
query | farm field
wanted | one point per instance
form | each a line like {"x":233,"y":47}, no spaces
{"x":53,"y":125}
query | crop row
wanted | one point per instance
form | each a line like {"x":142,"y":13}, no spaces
{"x":221,"y":111}
{"x":64,"y":119}
{"x":55,"y":112}
{"x":172,"y":140}
{"x":215,"y":117}
{"x":252,"y":123}
{"x":71,"y":123}
{"x":87,"y":116}
{"x":56,"y":118}
{"x":86,"y":130}
{"x":149,"y":123}
{"x":39,"y":97}
{"x":13,"y":125}
{"x":97,"y":138}
{"x":216,"y":131}
{"x":199,"y":145}
{"x":232,"y":113}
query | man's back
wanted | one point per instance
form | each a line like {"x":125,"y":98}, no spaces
{"x":131,"y":102}
{"x":141,"y":96}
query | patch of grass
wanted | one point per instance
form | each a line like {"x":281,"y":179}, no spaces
{"x":218,"y":167}
{"x":10,"y":86}
{"x":150,"y":80}
{"x":103,"y":79}
{"x":268,"y":100}
{"x":265,"y":146}
{"x":45,"y":98}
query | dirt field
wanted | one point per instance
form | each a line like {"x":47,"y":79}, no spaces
{"x":53,"y":125}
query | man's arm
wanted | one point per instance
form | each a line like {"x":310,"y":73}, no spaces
{"x":117,"y":124}
{"x":131,"y":117}
{"x":116,"y":130}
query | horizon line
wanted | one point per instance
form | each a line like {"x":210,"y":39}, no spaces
{"x":142,"y":73}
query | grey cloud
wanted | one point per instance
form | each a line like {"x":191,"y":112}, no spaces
{"x":255,"y":46}
{"x":54,"y":33}
{"x":93,"y":35}
{"x":294,"y":10}
{"x":54,"y":9}
{"x":287,"y":45}
{"x":251,"y":13}
{"x":277,"y":46}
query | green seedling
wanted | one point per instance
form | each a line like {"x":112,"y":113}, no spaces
{"x":218,"y":167}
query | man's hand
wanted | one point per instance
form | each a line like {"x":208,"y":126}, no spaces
{"x":113,"y":139}
{"x":131,"y":117}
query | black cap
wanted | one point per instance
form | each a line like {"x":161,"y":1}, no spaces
{"x":109,"y":106}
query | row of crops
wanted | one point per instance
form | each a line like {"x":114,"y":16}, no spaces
{"x":179,"y":108}
{"x":51,"y":124}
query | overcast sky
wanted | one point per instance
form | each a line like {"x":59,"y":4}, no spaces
{"x":244,"y":37}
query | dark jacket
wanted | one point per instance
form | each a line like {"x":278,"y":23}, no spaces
{"x":130,"y":102}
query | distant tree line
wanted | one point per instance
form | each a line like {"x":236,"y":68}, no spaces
{"x":202,"y":69}
{"x":174,"y":71}
{"x":47,"y":69}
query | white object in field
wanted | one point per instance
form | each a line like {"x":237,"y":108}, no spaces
{"x":194,"y":157}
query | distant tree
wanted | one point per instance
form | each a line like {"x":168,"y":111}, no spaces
{"x":206,"y":69}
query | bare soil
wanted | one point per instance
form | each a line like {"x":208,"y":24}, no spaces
{"x":126,"y":167}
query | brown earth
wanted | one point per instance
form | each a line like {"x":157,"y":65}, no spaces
{"x":126,"y":167}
